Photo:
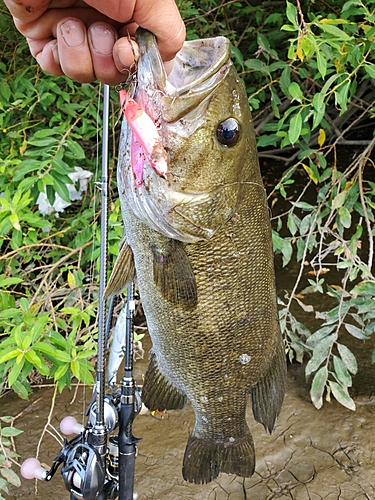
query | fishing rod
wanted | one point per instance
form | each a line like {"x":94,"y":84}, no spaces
{"x":94,"y":465}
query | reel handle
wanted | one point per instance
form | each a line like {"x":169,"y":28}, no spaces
{"x":69,"y":425}
{"x":32,"y":468}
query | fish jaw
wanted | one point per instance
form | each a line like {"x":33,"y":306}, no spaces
{"x":198,"y":68}
{"x":200,"y":192}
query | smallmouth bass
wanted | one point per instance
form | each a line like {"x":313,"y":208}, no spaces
{"x":199,"y":241}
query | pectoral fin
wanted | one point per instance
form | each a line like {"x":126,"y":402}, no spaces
{"x":123,"y":271}
{"x":173,"y":274}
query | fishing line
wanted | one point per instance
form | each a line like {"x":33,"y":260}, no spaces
{"x":96,"y":190}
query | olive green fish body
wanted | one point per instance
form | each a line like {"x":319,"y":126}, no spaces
{"x":208,"y":289}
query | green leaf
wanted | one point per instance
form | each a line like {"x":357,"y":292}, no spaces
{"x":291,"y":14}
{"x":341,"y":96}
{"x":292,"y":223}
{"x":319,"y":109}
{"x":61,"y":371}
{"x":349,"y":4}
{"x":320,"y":353}
{"x":6,"y":418}
{"x":285,"y":80}
{"x":295,"y":128}
{"x":341,"y":394}
{"x":76,"y":149}
{"x":342,"y":372}
{"x":11,"y":477}
{"x":62,"y":356}
{"x":45,"y":347}
{"x":339,"y":199}
{"x":295,"y":91}
{"x":10,"y":431}
{"x":42,"y":142}
{"x":5,"y":90}
{"x":306,"y":224}
{"x":317,"y":387}
{"x":364,"y":288}
{"x":355,"y":331}
{"x":61,"y":189}
{"x":39,"y":326}
{"x":370,"y":70}
{"x":5,"y":282}
{"x":85,"y":369}
{"x":320,"y":334}
{"x":21,"y":389}
{"x":256,"y":65}
{"x":334,"y":30}
{"x":303,"y":205}
{"x":345,"y":217}
{"x":75,"y":367}
{"x":9,"y":353}
{"x":9,"y":313}
{"x":322,"y":63}
{"x":15,"y":371}
{"x":283,"y":245}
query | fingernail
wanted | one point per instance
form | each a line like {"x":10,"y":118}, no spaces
{"x":73,"y":33}
{"x":102,"y":39}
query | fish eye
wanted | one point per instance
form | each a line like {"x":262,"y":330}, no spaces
{"x":228,"y":132}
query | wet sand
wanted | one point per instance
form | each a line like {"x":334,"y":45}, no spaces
{"x":312,"y":454}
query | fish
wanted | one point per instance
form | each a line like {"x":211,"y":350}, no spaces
{"x":198,"y":240}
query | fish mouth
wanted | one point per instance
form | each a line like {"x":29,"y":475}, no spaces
{"x":177,"y":103}
{"x":199,"y":67}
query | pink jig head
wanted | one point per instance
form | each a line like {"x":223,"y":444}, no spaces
{"x":146,"y":143}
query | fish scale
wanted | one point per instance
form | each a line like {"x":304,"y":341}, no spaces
{"x":208,"y":292}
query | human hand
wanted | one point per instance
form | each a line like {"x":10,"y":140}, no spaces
{"x":88,"y":40}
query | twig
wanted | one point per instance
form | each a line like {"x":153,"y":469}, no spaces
{"x":48,"y":421}
{"x":56,"y":266}
{"x":363,"y":159}
{"x":26,"y":247}
{"x":43,"y":386}
{"x":191,"y":19}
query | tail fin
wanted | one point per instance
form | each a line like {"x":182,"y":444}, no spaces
{"x":204,"y":459}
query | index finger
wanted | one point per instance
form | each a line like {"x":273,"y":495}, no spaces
{"x":161,"y":17}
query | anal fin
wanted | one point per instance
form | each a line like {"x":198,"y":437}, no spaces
{"x":158,"y":393}
{"x":205,"y":459}
{"x":123,"y":271}
{"x":173,"y":274}
{"x":268,"y":395}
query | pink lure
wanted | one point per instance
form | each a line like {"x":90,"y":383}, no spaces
{"x":146,"y":143}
